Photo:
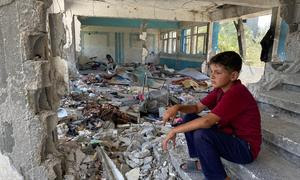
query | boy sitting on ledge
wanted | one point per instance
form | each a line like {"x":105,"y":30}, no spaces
{"x":231,"y":130}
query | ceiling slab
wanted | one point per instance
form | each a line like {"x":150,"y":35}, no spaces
{"x":231,"y":12}
{"x":170,"y":10}
{"x":123,"y":10}
{"x":249,"y":3}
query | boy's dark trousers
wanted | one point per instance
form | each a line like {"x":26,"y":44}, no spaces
{"x":209,"y":145}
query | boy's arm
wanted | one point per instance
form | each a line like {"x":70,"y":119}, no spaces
{"x":202,"y":122}
{"x":195,"y":108}
{"x":171,"y":112}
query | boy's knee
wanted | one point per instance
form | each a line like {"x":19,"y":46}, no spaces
{"x":190,"y":117}
{"x":203,"y":134}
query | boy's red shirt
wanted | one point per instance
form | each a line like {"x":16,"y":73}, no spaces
{"x":239,"y":114}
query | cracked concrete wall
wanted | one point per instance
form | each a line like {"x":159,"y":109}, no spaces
{"x":276,"y":76}
{"x":62,"y":43}
{"x":28,"y":96}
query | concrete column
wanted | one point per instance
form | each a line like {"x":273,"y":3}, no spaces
{"x":209,"y":40}
{"x":28,"y":96}
{"x":241,"y":37}
{"x":69,"y":43}
{"x":215,"y":37}
{"x":143,"y":37}
{"x":178,"y":46}
{"x":275,"y":25}
{"x":212,"y":44}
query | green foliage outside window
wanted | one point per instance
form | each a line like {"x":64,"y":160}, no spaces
{"x":228,"y":42}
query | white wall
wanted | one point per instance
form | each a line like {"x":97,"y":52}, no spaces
{"x":99,"y":41}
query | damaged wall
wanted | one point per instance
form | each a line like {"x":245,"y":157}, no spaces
{"x":62,"y":33}
{"x":28,"y":98}
{"x":99,"y":41}
{"x":290,"y":69}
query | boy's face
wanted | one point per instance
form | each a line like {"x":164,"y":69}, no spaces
{"x":221,"y":77}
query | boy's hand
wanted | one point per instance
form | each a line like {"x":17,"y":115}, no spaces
{"x":170,"y":114}
{"x":170,"y":136}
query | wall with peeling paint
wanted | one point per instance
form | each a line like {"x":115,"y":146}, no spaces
{"x":99,"y":41}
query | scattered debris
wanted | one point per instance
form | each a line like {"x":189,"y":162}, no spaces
{"x":104,"y":129}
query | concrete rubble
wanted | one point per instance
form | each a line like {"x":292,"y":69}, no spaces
{"x":109,"y":112}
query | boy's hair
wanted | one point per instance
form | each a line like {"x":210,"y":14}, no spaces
{"x":231,"y":60}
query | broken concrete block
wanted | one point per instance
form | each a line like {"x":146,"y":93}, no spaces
{"x":71,"y":171}
{"x":80,"y":156}
{"x":133,"y":146}
{"x":134,"y":174}
{"x":69,"y":177}
{"x":172,"y":172}
{"x":147,"y":145}
{"x":124,"y":168}
{"x":156,"y":174}
{"x":133,"y":164}
{"x":164,"y":173}
{"x":88,"y":159}
{"x":83,"y":167}
{"x":50,"y":169}
{"x":148,"y":160}
{"x":142,"y":154}
{"x":145,"y":173}
{"x":84,"y":133}
{"x":125,"y":140}
{"x":71,"y":157}
{"x":62,"y":130}
{"x":34,"y":72}
{"x":138,"y":161}
{"x":146,"y":167}
{"x":41,"y":172}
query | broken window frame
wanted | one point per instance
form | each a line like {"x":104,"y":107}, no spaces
{"x":198,"y":33}
{"x":169,"y":42}
{"x":192,"y":34}
{"x":186,"y":40}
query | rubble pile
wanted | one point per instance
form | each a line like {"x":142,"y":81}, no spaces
{"x":137,"y":147}
{"x":110,"y":112}
{"x":80,"y":163}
